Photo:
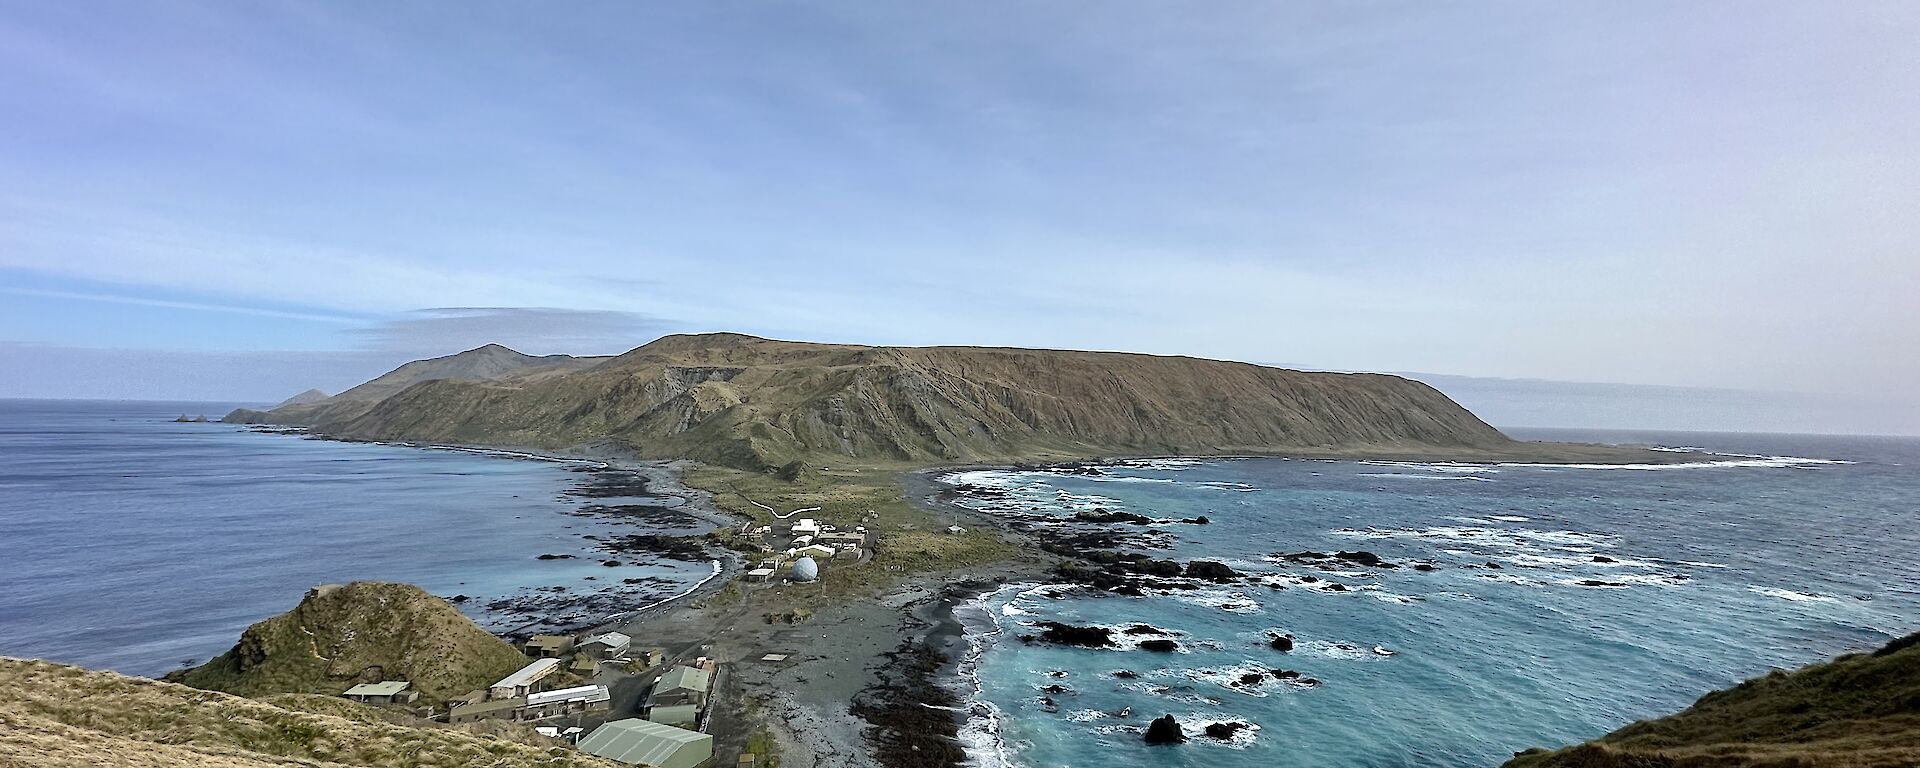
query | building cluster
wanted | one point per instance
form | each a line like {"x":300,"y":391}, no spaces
{"x":537,"y":690}
{"x":669,"y":735}
{"x":806,"y":541}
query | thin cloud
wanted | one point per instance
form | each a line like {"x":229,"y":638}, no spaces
{"x":535,"y":330}
{"x":175,"y":304}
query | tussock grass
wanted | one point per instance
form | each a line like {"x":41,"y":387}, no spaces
{"x":62,"y":716}
{"x":351,"y":633}
{"x":1858,"y":711}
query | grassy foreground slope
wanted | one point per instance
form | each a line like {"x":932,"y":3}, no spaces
{"x":1859,"y":711}
{"x":755,"y":403}
{"x":62,"y":716}
{"x":364,"y":631}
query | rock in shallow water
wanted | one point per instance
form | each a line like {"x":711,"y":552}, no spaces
{"x":1211,"y":571}
{"x":1165,"y":730}
{"x":1068,"y":634}
{"x":1224,"y":731}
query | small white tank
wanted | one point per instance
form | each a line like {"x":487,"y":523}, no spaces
{"x":805,"y":569}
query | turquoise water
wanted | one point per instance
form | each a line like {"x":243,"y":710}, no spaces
{"x":132,"y":543}
{"x":1717,"y":574}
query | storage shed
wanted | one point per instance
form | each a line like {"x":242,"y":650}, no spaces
{"x":638,"y":742}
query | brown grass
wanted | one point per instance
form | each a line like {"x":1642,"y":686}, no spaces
{"x":1860,"y":711}
{"x":57,"y":715}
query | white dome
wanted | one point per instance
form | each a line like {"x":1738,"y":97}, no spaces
{"x":805,"y":569}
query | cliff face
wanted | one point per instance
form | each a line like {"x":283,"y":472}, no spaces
{"x":56,"y":716}
{"x":360,"y":632}
{"x":750,"y":402}
{"x":1860,"y":711}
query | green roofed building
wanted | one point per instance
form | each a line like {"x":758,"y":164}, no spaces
{"x":679,"y":715}
{"x":639,"y":742}
{"x":681,"y":685}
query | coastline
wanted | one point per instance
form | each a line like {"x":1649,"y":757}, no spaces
{"x":865,"y":660}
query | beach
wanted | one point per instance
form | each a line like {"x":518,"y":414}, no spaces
{"x":846,"y":655}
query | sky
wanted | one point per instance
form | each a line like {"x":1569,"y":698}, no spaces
{"x":242,"y":200}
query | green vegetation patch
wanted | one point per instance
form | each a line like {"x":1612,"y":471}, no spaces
{"x":906,"y":539}
{"x":1859,"y":711}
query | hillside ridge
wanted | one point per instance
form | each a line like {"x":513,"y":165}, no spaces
{"x":749,"y":402}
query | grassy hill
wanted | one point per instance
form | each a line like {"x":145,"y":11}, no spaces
{"x":1859,"y":711}
{"x":755,"y":403}
{"x":57,"y":716}
{"x":489,"y":363}
{"x":364,"y":631}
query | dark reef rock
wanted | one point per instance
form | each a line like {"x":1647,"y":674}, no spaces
{"x":1210,"y":571}
{"x":1151,"y":567}
{"x":1224,"y":731}
{"x":1280,"y":642}
{"x":1599,"y":583}
{"x":1068,"y":634}
{"x":554,"y":557}
{"x":1425,"y":567}
{"x":1603,"y":559}
{"x":1165,"y":730}
{"x":1251,"y":678}
{"x":1144,"y":629}
{"x":1125,"y":674}
{"x":612,"y":563}
{"x":910,"y":713}
{"x":1159,"y":646}
{"x":682,"y":548}
{"x":609,"y":483}
{"x":1103,"y":516}
{"x":1365,"y":558}
{"x":1056,"y":688}
{"x":1284,"y":674}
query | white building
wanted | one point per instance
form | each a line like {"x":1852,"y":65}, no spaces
{"x":610,"y":645}
{"x":567,"y":701}
{"x":806,"y":527}
{"x":523,"y":682}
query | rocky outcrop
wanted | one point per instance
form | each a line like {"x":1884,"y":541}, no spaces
{"x":1211,"y":571}
{"x":1165,"y":730}
{"x":1084,"y":637}
{"x":340,"y":635}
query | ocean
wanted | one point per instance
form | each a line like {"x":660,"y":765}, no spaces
{"x":133,"y":543}
{"x":1561,"y":603}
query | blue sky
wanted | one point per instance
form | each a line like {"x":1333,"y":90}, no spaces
{"x":242,"y":200}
